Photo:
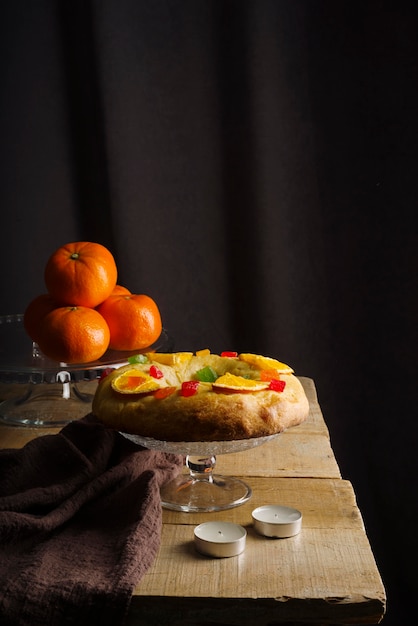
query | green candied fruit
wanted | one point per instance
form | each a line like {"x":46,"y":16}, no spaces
{"x":206,"y":375}
{"x":138,"y":358}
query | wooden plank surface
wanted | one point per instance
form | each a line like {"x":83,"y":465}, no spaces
{"x":296,"y":573}
{"x":328,"y":566}
{"x":324,"y":503}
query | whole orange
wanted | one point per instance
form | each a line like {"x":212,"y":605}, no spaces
{"x":35,"y":312}
{"x":81,"y":274}
{"x":74,"y":334}
{"x":120,"y":290}
{"x":134,"y":321}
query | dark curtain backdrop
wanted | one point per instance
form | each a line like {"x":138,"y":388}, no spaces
{"x":252,"y":165}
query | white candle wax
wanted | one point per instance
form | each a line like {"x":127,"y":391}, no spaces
{"x":220,"y":539}
{"x":273,"y":520}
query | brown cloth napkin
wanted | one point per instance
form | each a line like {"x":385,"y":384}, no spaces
{"x":80,"y":524}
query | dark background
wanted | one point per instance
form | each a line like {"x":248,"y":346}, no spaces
{"x":253,"y":167}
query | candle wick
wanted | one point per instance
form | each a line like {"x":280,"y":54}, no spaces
{"x":219,"y":532}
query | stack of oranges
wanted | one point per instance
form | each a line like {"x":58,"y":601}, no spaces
{"x":85,"y":311}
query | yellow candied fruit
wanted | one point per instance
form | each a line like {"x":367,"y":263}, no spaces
{"x":266,"y":363}
{"x":134,"y":381}
{"x":170,"y":358}
{"x":239,"y":383}
{"x":204,"y":352}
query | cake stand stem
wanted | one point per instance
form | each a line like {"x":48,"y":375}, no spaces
{"x":201,"y":468}
{"x":200,"y":490}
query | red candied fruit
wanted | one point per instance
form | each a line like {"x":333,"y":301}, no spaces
{"x":277,"y":385}
{"x":189,"y":388}
{"x":155,"y":372}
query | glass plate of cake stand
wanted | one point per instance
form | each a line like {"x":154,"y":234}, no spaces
{"x":46,"y":393}
{"x":199,"y":489}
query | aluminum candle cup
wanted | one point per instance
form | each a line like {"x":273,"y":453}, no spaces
{"x":273,"y":520}
{"x":220,"y":539}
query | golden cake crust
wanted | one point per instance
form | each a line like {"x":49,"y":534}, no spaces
{"x":212,"y":413}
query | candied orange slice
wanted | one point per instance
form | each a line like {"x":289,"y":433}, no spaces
{"x":239,"y":383}
{"x":134,"y":381}
{"x":170,"y":358}
{"x":265,"y":363}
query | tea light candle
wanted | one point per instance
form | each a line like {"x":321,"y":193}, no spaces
{"x":220,"y":539}
{"x":278,"y":521}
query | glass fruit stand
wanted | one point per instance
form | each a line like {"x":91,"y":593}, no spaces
{"x":48,"y":393}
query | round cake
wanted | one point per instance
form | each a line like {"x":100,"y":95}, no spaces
{"x":201,"y":397}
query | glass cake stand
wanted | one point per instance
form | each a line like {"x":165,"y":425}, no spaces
{"x":48,"y":393}
{"x":199,"y":489}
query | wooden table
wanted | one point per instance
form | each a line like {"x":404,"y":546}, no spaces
{"x":325,"y":575}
